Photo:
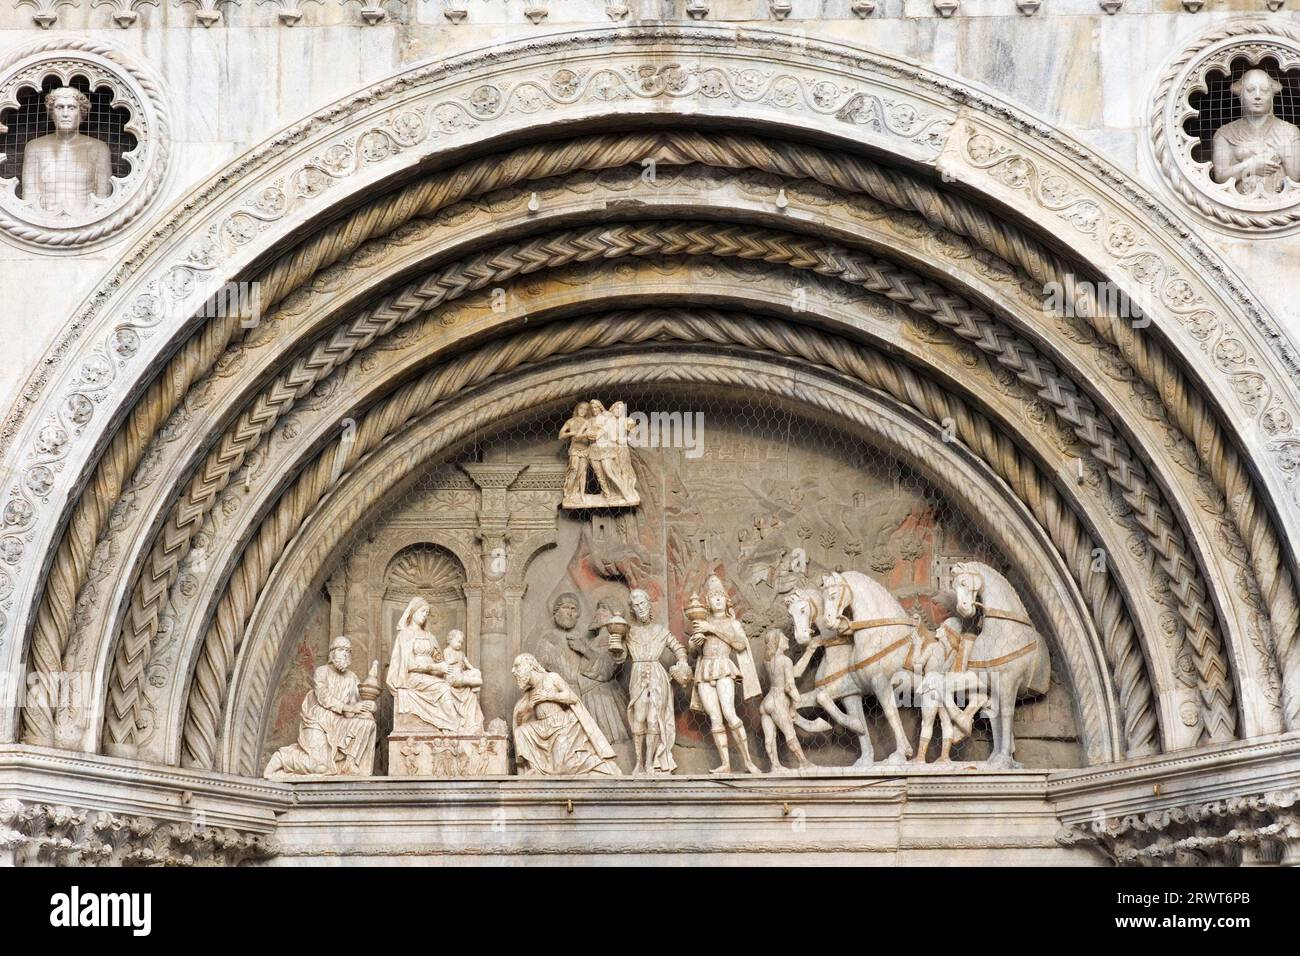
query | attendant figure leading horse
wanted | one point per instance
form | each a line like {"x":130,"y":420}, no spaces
{"x":864,"y":635}
{"x":990,"y":656}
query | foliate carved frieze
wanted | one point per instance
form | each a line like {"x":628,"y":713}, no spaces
{"x":43,"y":834}
{"x":1265,"y":826}
{"x":146,"y":124}
{"x":1223,"y":192}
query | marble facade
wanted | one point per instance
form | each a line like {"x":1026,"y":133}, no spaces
{"x":816,"y":391}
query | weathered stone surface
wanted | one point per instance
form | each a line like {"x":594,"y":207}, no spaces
{"x":986,"y":306}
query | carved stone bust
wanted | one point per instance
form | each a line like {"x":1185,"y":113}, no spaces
{"x":1259,"y":151}
{"x":64,"y":171}
{"x":104,"y":161}
{"x":1239,"y":176}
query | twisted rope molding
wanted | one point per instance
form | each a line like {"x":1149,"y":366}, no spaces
{"x":297,"y":130}
{"x":52,"y":628}
{"x":325,"y":531}
{"x":53,"y":625}
{"x":549,"y":251}
{"x":160,"y":141}
{"x":226,"y":630}
{"x":1175,"y":176}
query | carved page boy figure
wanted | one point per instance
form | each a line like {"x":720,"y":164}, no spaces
{"x":717,"y":634}
{"x":778,"y":706}
{"x":63,"y":170}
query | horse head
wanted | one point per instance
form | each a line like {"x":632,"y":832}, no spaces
{"x":968,"y":583}
{"x":837,"y":595}
{"x":804,"y":606}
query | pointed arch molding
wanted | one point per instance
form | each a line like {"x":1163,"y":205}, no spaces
{"x":964,"y":141}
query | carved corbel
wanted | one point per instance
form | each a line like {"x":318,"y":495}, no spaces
{"x":45,"y":13}
{"x":206,"y":12}
{"x":291,"y":10}
{"x":372,"y":11}
{"x":124,"y":11}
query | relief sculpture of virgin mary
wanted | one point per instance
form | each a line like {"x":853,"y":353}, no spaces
{"x":425,"y":685}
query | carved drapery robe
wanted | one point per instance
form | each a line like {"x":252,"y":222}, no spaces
{"x":599,"y":688}
{"x":646,"y":644}
{"x":431,"y":698}
{"x":555,"y":734}
{"x":329,"y":742}
{"x":550,"y":645}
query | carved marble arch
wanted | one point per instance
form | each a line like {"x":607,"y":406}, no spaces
{"x":948,"y":362}
{"x":737,"y":378}
{"x":995,"y":282}
{"x":128,"y":114}
{"x":863,"y":104}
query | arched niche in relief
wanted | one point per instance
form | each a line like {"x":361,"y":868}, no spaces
{"x":76,"y":180}
{"x":421,"y":570}
{"x":364,"y":599}
{"x":746,"y":487}
{"x":1226,"y":126}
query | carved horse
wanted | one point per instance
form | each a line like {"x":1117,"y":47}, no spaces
{"x":865,"y":636}
{"x":1009,"y":658}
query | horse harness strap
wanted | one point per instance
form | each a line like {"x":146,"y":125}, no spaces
{"x":969,"y":665}
{"x":998,"y":614}
{"x":1007,"y":616}
{"x":855,"y":626}
{"x":858,"y":665}
{"x":999,"y":661}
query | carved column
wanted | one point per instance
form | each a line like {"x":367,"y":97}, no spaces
{"x":497,"y":645}
{"x":336,"y":587}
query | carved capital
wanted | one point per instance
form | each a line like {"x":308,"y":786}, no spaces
{"x":1254,"y":830}
{"x":39,"y":834}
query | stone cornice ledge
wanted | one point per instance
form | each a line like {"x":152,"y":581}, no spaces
{"x":114,"y":785}
{"x":1239,"y":768}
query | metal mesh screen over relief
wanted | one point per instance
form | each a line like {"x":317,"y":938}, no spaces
{"x":764,"y":498}
{"x":31,"y":121}
{"x":1218,"y":105}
